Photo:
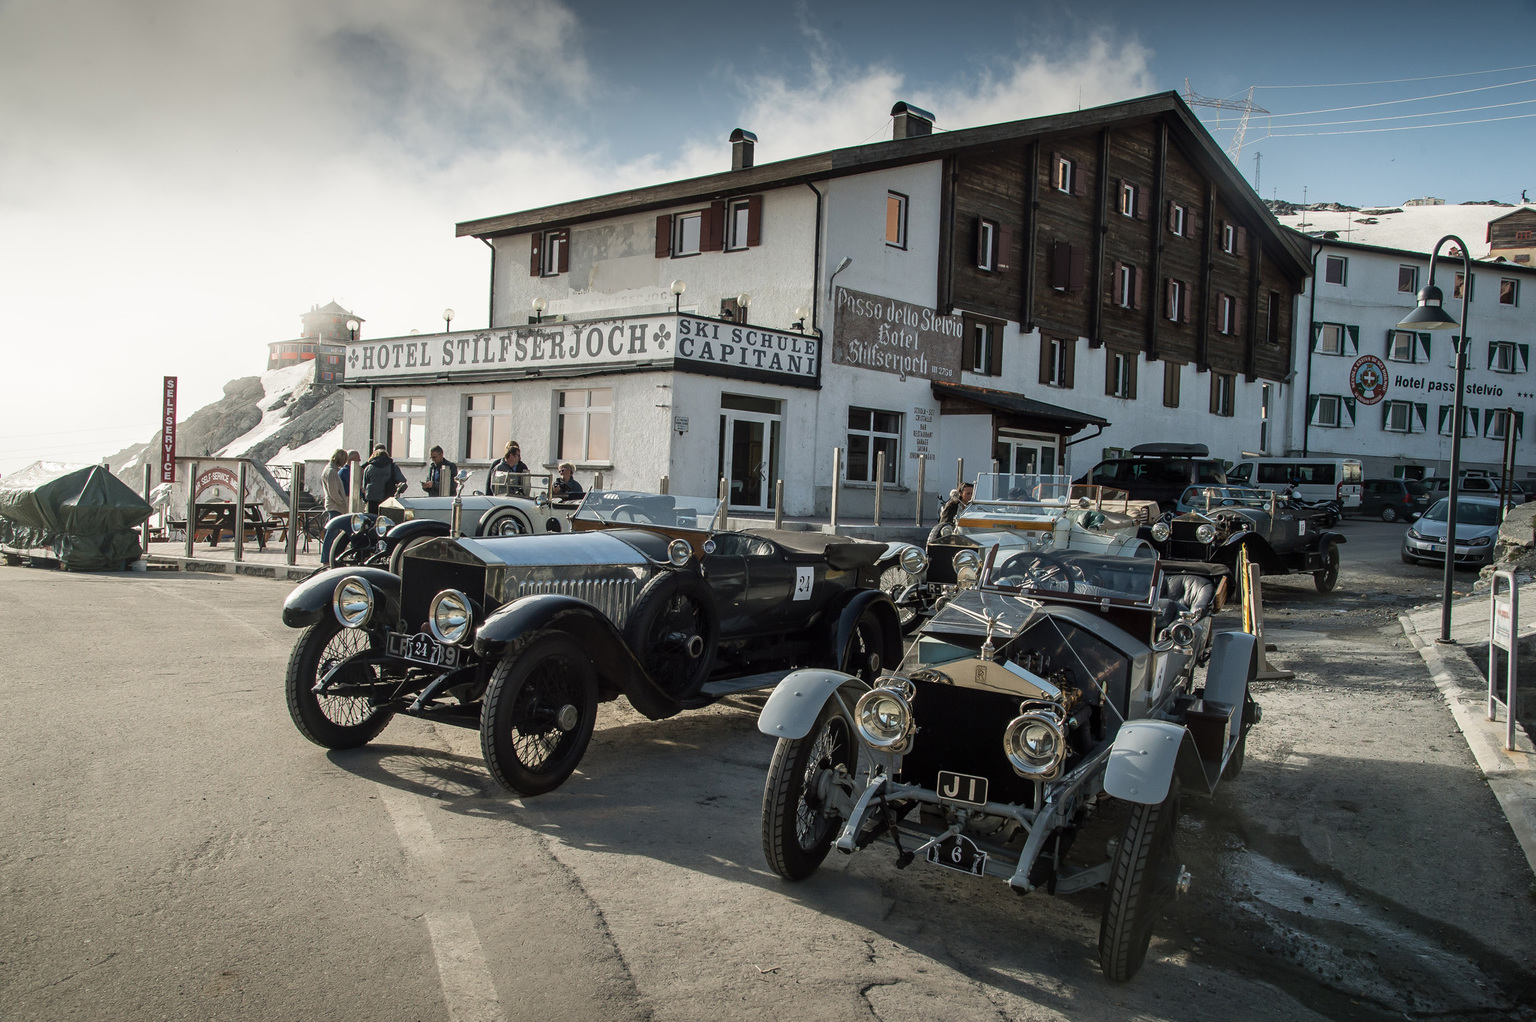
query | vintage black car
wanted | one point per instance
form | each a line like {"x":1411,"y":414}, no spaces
{"x":522,"y":637}
{"x":1279,"y":536}
{"x":1064,"y":684}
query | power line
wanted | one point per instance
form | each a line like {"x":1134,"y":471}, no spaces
{"x":1397,"y":117}
{"x":1402,"y":127}
{"x":1398,"y":102}
{"x":1400,"y":81}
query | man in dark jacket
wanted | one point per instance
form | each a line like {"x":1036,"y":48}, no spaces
{"x":511,"y":463}
{"x":441,"y":473}
{"x":381,"y":479}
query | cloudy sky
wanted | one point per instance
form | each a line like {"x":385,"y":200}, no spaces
{"x":181,"y":179}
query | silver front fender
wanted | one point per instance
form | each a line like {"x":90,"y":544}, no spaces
{"x":1142,"y":760}
{"x":796,"y":702}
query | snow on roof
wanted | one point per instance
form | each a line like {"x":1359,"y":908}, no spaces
{"x":319,"y":449}
{"x":281,"y":388}
{"x":1411,"y":228}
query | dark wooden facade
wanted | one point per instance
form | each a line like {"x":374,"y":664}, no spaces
{"x":1099,"y":230}
{"x":1513,"y":232}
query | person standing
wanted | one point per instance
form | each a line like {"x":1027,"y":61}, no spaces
{"x":957,"y":503}
{"x":441,"y":478}
{"x":511,"y":462}
{"x":565,"y":486}
{"x":382,"y":479}
{"x":354,"y":459}
{"x":333,"y":482}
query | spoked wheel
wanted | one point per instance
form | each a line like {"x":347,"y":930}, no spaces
{"x":892,"y":581}
{"x":673,"y":631}
{"x":798,"y":820}
{"x":864,"y":652}
{"x":1326,"y":579}
{"x":1145,"y":875}
{"x":538,"y":714}
{"x":334,"y":721}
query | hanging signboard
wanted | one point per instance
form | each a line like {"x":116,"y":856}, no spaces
{"x":168,"y":431}
{"x":871,"y":332}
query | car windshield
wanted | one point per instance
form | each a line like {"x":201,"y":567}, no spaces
{"x":1226,"y":496}
{"x":1467,"y":513}
{"x":632,"y":507}
{"x":1056,"y":574}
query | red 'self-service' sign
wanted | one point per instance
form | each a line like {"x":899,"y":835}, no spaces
{"x":168,"y":433}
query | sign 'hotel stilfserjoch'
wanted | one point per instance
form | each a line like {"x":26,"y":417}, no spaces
{"x":688,"y":343}
{"x":871,"y":332}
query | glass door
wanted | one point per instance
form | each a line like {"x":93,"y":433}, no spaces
{"x":1020,"y":453}
{"x":749,"y":441}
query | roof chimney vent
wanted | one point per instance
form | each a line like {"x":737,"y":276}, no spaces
{"x":742,"y":142}
{"x":911,"y":121}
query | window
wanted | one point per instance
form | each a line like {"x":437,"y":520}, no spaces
{"x":869,"y":433}
{"x":1272,"y":323}
{"x":1265,"y":400}
{"x":1524,"y":235}
{"x":896,"y":219}
{"x":1125,"y":286}
{"x":1398,"y":417}
{"x":687,"y":233}
{"x":1228,"y":238}
{"x":1509,"y":291}
{"x":1068,"y":266}
{"x":1402,"y":346}
{"x":1176,"y":219}
{"x":1226,"y":314}
{"x":1336,"y":270}
{"x":1330,"y":338}
{"x":986,"y":245}
{"x":1175,"y":301}
{"x":406,"y":426}
{"x":557,"y":256}
{"x":1064,"y":175}
{"x":1508,"y":357}
{"x":739,"y":222}
{"x":1468,"y":423}
{"x":1057,"y":358}
{"x":1457,"y":288}
{"x":983,"y":346}
{"x":1171,"y":372}
{"x":1325,"y":410}
{"x":584,"y":427}
{"x":1120,"y":374}
{"x":1408,"y":280}
{"x":1497,"y":424}
{"x":487,"y":425}
{"x":1223,"y":393}
{"x":1129,"y":196}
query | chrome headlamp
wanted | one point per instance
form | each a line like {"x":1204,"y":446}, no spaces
{"x":678,"y":552}
{"x":1035,"y":741}
{"x":1161,"y":531}
{"x":1206,"y":533}
{"x":353,"y":601}
{"x":382,"y":526}
{"x":967,"y":564}
{"x":450,"y":617}
{"x":1180,"y":635}
{"x":913,"y":561}
{"x":884,"y":715}
{"x":358,"y":521}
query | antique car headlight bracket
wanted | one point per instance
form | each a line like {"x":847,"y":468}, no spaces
{"x":353,"y":601}
{"x":678,"y":553}
{"x":450,"y":617}
{"x":913,"y":561}
{"x":884,"y":715}
{"x":1035,"y":741}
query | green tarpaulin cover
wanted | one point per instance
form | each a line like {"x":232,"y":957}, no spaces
{"x":87,"y":516}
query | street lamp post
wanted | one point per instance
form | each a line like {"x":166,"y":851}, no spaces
{"x":1431,"y":315}
{"x":447,"y":321}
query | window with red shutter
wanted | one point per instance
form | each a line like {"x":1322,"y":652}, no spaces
{"x":664,"y":236}
{"x":1004,"y":247}
{"x":1061,"y":266}
{"x":754,"y":221}
{"x":535,"y":256}
{"x":1078,"y":264}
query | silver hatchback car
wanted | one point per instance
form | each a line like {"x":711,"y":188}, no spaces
{"x":1477,"y":531}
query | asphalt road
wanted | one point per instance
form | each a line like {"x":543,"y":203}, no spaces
{"x":174,"y":849}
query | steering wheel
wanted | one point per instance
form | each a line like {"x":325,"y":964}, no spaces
{"x":626,"y":513}
{"x":1037,"y":571}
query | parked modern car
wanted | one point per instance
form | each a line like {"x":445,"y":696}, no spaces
{"x":1280,"y":536}
{"x":1477,"y":531}
{"x":1477,"y":485}
{"x":1159,"y":471}
{"x":521,"y":637}
{"x":1393,"y":499}
{"x":1316,"y":480}
{"x":1063,"y":683}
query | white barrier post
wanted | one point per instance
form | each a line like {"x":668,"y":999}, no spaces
{"x":240,"y":515}
{"x":837,"y":475}
{"x":922,"y":459}
{"x":879,"y":483}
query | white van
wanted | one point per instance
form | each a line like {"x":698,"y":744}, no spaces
{"x":1316,"y":478}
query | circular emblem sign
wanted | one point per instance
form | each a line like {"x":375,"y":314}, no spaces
{"x":1368,"y":379}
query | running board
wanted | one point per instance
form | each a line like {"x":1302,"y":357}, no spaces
{"x":748,"y":683}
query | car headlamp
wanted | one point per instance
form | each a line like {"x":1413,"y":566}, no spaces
{"x":1034,"y":742}
{"x":884,"y":716}
{"x":1415,"y":534}
{"x":353,"y":601}
{"x":678,"y":552}
{"x":1161,"y":531}
{"x":913,"y":561}
{"x":1480,"y":541}
{"x":1206,"y":533}
{"x":383,"y":525}
{"x":358,"y":521}
{"x":966,"y":564}
{"x":449,"y":617}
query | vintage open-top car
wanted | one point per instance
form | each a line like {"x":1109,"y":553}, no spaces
{"x":1278,"y":535}
{"x":522,"y":637}
{"x":1026,"y":511}
{"x":1063,"y":681}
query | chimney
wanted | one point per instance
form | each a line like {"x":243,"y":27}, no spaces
{"x":911,"y":121}
{"x":742,"y":142}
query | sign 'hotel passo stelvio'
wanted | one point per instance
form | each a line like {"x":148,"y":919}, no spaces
{"x":690,"y":343}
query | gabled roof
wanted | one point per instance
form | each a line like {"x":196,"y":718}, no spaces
{"x":332,"y":309}
{"x":862,"y":159}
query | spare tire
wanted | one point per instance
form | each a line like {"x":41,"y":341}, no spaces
{"x":673,"y":630}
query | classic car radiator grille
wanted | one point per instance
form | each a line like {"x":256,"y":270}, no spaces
{"x":422,"y":579}
{"x":961,"y":729}
{"x":612,"y":596}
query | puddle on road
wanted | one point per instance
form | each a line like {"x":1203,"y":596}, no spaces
{"x":1347,"y":944}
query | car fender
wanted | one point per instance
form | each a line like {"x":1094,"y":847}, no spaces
{"x":311,"y":599}
{"x":1143,"y":759}
{"x":796,"y":702}
{"x":416,"y":527}
{"x":1233,"y":667}
{"x":513,"y":625}
{"x":894,"y":550}
{"x":847,"y":616}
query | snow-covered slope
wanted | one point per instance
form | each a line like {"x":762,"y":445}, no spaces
{"x":1411,"y":228}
